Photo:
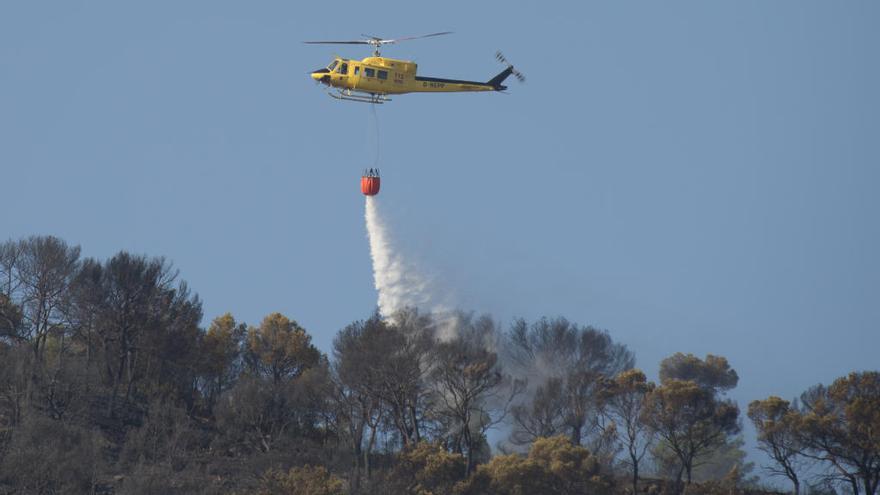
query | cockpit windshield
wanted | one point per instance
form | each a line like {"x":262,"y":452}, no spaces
{"x":332,"y":65}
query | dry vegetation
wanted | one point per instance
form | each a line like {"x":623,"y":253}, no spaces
{"x":108,"y":384}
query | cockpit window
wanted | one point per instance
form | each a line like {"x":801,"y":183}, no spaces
{"x":343,"y":69}
{"x":332,"y":65}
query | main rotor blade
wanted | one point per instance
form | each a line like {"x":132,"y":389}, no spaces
{"x":416,"y":37}
{"x":357,"y":42}
{"x":374,"y":40}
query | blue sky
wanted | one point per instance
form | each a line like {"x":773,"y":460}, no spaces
{"x":692,"y":176}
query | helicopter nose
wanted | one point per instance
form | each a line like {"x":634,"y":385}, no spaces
{"x":321,"y":75}
{"x":324,"y":78}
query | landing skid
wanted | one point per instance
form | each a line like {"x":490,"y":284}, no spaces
{"x":347,"y":94}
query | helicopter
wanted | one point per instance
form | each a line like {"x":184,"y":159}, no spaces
{"x":372,"y":79}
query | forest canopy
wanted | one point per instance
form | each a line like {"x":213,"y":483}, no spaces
{"x":110,"y":383}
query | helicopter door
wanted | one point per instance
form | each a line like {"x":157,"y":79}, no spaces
{"x":343,"y":73}
{"x":356,"y":76}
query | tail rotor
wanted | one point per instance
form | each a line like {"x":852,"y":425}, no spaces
{"x":517,"y":74}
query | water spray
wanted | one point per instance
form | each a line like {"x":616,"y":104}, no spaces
{"x":398,"y":283}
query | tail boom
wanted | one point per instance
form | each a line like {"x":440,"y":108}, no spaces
{"x":496,"y":81}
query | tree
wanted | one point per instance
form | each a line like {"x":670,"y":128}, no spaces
{"x":553,"y":465}
{"x":250,"y":417}
{"x":728,"y":457}
{"x":425,"y":469}
{"x":37,"y":272}
{"x":714,"y":373}
{"x":623,"y":401}
{"x":579,"y":358}
{"x":257,"y":415}
{"x":35,"y":276}
{"x":725,"y":461}
{"x":690,"y":420}
{"x":543,"y":415}
{"x":840,"y":424}
{"x":275,"y":401}
{"x":171,"y":346}
{"x":403,"y":372}
{"x":280,"y":349}
{"x":357,"y":350}
{"x":776,"y":422}
{"x":467,"y":381}
{"x":220,"y":355}
{"x":87,"y":296}
{"x":147,"y":326}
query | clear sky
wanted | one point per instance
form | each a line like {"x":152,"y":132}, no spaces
{"x":693,"y":176}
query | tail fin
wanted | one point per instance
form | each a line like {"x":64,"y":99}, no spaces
{"x":496,"y":81}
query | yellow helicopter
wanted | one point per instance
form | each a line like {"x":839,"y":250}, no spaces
{"x":372,"y":79}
